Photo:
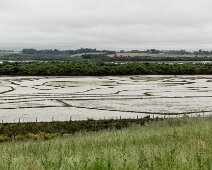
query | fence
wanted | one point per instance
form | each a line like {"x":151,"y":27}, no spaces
{"x":81,"y":118}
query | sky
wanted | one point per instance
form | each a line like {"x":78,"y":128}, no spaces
{"x":106,"y":24}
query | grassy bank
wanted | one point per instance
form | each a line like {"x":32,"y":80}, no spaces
{"x":169,"y":144}
{"x":49,"y":130}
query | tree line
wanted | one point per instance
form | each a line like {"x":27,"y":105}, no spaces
{"x":94,"y":68}
{"x":56,"y":51}
{"x":97,"y":57}
{"x":105,"y":58}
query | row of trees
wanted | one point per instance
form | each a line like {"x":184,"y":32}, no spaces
{"x":93,"y":50}
{"x":55,"y":51}
{"x":100,"y":68}
{"x":98,"y":57}
{"x":105,"y":58}
{"x":178,"y":52}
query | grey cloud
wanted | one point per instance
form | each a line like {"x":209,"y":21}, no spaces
{"x":115,"y":24}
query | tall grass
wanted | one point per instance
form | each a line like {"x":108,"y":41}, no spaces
{"x":170,"y":144}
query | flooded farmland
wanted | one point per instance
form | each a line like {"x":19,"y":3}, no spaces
{"x":29,"y":99}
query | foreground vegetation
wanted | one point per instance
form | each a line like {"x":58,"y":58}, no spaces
{"x":170,"y":144}
{"x":101,"y":69}
{"x":49,"y":130}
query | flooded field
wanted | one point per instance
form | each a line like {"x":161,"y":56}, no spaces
{"x":63,"y":98}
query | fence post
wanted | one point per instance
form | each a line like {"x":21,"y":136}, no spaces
{"x":36,"y":119}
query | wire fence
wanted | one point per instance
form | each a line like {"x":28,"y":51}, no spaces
{"x":83,"y":118}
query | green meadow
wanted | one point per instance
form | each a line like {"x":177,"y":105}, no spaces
{"x":184,"y":143}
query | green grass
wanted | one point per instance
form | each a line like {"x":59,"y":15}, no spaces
{"x":170,"y":144}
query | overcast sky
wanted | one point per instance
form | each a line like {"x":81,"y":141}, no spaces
{"x":106,"y":24}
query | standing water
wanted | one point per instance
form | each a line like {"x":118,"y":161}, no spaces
{"x":28,"y":99}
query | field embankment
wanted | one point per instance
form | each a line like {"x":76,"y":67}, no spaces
{"x":170,"y":144}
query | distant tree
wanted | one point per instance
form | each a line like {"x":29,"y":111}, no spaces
{"x":29,"y":51}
